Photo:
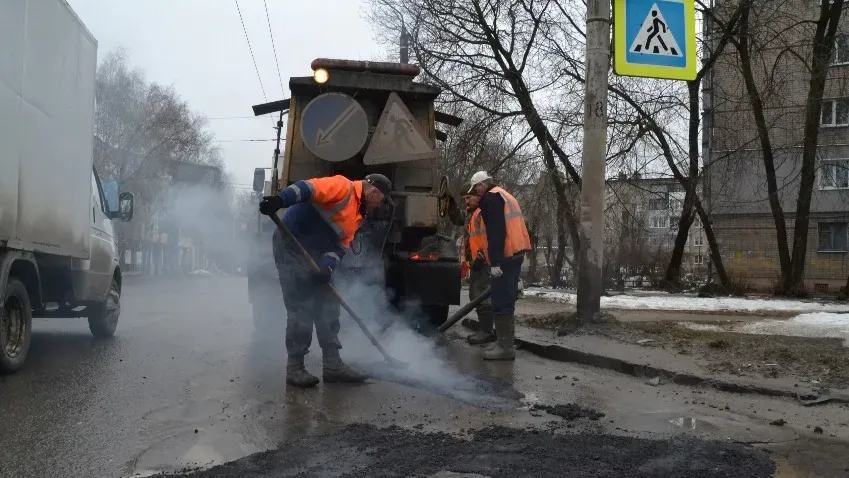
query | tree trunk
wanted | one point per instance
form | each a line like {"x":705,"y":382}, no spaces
{"x":561,"y":246}
{"x":673,"y":272}
{"x":830,"y":12}
{"x":766,"y":147}
{"x":534,"y":262}
{"x":715,"y":257}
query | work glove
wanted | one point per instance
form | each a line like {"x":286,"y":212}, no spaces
{"x":325,"y":270}
{"x":324,"y":275}
{"x":479,"y":264}
{"x":495,"y":272}
{"x":270,"y":205}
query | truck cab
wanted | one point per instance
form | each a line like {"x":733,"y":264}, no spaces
{"x":354,"y":118}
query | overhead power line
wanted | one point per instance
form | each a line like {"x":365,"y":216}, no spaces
{"x":274,"y":47}
{"x":236,"y":117}
{"x":243,"y":140}
{"x":251,"y":50}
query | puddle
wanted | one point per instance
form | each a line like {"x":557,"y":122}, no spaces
{"x":194,"y":450}
{"x":690,"y":423}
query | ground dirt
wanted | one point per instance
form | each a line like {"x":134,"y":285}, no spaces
{"x":801,"y":358}
{"x":368,"y":451}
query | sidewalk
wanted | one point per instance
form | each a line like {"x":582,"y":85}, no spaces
{"x":663,"y":366}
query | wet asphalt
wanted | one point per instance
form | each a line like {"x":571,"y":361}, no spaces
{"x":189,"y":383}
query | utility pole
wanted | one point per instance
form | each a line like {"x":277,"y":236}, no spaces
{"x":404,"y":43}
{"x":594,"y":154}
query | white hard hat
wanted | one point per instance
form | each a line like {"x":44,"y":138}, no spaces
{"x":478,"y":178}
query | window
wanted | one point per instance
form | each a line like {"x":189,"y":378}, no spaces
{"x":659,"y":222}
{"x":659,"y":204}
{"x":698,"y":240}
{"x":832,"y":236}
{"x":673,"y":222}
{"x":835,"y":113}
{"x":841,"y":50}
{"x":834,"y":174}
{"x":698,"y":259}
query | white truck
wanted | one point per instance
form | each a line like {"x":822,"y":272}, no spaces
{"x":57,"y":250}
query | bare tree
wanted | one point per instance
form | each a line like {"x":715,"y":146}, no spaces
{"x":140,"y":128}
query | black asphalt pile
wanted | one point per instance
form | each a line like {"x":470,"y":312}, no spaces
{"x":367,"y":451}
{"x":569,"y":411}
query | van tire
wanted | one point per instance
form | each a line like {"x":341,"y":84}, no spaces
{"x":103,"y":318}
{"x":15,"y":326}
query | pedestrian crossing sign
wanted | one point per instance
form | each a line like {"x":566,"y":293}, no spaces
{"x":655,"y":38}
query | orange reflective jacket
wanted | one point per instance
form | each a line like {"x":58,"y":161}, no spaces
{"x":477,"y":236}
{"x":337,"y":200}
{"x":517,"y":240}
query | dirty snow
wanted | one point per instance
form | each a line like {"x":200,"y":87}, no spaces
{"x":818,"y":324}
{"x":661,"y":301}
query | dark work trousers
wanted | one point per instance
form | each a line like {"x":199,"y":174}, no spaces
{"x":307,"y":301}
{"x":505,"y":288}
{"x":478,"y":282}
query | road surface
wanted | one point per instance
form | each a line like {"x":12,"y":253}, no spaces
{"x":189,"y":383}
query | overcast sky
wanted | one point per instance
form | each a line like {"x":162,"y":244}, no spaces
{"x":199,"y":47}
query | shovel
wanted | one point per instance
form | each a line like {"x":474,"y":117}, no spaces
{"x":392,"y":362}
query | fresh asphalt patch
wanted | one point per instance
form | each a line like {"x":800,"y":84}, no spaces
{"x":368,"y":451}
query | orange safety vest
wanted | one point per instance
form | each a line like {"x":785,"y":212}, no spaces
{"x":337,"y":200}
{"x":477,"y":236}
{"x":517,"y":239}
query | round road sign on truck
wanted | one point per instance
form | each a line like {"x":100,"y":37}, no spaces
{"x":334,"y":127}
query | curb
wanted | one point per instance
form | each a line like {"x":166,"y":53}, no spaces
{"x":566,"y":354}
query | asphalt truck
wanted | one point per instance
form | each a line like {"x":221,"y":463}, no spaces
{"x":57,"y":249}
{"x":355,"y":118}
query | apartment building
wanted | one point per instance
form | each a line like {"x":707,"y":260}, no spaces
{"x":735,"y":177}
{"x":641,"y":220}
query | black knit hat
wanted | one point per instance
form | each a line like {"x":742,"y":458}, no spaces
{"x":383,"y":184}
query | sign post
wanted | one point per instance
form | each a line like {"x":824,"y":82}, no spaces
{"x":655,"y":39}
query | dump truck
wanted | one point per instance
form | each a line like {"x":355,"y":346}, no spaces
{"x":57,"y":249}
{"x":355,"y":118}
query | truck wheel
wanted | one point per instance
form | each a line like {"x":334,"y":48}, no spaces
{"x":15,"y":327}
{"x":436,"y":314}
{"x":103,"y":318}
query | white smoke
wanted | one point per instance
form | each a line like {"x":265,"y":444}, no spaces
{"x":209,"y":217}
{"x":425,"y":363}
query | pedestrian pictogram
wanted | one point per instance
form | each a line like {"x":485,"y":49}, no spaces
{"x":397,"y":137}
{"x":655,"y":38}
{"x":334,"y":127}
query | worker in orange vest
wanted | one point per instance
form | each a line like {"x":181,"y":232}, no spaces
{"x":501,"y":237}
{"x":323,"y":214}
{"x":474,"y":265}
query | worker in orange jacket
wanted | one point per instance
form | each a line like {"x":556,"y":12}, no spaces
{"x":501,"y":237}
{"x":473,"y":266}
{"x":323,"y":214}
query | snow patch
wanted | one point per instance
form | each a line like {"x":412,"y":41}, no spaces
{"x":690,"y":303}
{"x":701,"y":327}
{"x":818,"y":324}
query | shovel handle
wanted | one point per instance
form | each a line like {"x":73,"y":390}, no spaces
{"x":274,"y":217}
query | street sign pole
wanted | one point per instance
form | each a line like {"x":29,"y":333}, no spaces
{"x":595,"y":145}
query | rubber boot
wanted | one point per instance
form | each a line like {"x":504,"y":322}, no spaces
{"x":484,"y":335}
{"x":505,"y":328}
{"x":297,"y":375}
{"x":335,"y":370}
